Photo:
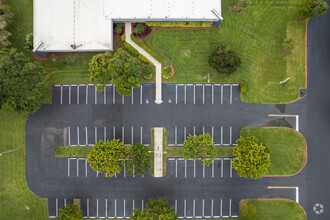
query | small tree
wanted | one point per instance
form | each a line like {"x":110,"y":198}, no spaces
{"x":70,"y":212}
{"x":252,"y":158}
{"x":137,"y":159}
{"x":288,"y":44}
{"x":106,"y":157}
{"x":155,"y":209}
{"x":199,"y":146}
{"x":139,"y":29}
{"x":224,"y":60}
{"x":29,"y":41}
{"x":314,"y":7}
{"x":119,"y":28}
{"x":99,"y":73}
{"x":248,"y":212}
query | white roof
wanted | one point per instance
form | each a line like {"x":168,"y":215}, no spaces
{"x":86,"y":25}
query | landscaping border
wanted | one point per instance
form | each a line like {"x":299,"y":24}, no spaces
{"x":285,"y":199}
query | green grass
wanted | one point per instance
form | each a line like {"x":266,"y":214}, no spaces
{"x":16,"y":200}
{"x":72,"y":151}
{"x":288,"y":148}
{"x":256,"y":34}
{"x":276,"y":209}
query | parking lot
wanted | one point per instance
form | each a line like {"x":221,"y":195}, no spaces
{"x":121,"y":208}
{"x":145,"y":94}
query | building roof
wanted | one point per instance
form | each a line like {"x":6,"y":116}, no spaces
{"x":86,"y":25}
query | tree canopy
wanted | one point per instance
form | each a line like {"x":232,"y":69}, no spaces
{"x":137,"y":159}
{"x":155,"y":210}
{"x":21,"y":86}
{"x":199,"y":146}
{"x":6,"y":18}
{"x":107,"y":157}
{"x":121,"y":69}
{"x":314,"y":7}
{"x":139,"y":29}
{"x":70,"y":212}
{"x":252,"y":157}
{"x":224,"y":60}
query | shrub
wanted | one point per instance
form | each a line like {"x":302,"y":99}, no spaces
{"x":149,"y":72}
{"x":168,"y":72}
{"x":243,"y":86}
{"x":178,"y":24}
{"x":29,"y":41}
{"x":314,"y":7}
{"x":288,"y":44}
{"x":147,"y":49}
{"x":119,"y":28}
{"x":144,"y":59}
{"x":123,"y":38}
{"x":224,"y":60}
{"x":139,"y":29}
{"x":131,"y":49}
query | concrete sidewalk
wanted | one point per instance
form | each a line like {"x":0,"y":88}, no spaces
{"x":158,"y":152}
{"x":158,"y":65}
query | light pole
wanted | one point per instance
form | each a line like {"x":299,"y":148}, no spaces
{"x":7,"y":152}
{"x":208,"y":77}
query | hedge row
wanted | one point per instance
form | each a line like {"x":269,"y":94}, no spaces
{"x":144,"y":59}
{"x":179,"y":24}
{"x":131,"y":49}
{"x":147,"y":49}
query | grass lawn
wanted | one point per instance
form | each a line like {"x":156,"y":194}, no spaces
{"x":256,"y":34}
{"x":288,"y":148}
{"x":276,"y":209}
{"x":72,"y":151}
{"x":16,"y":200}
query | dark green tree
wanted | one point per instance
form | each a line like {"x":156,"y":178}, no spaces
{"x":139,"y":29}
{"x":21,"y":86}
{"x":155,"y":210}
{"x":252,"y":157}
{"x":99,"y":73}
{"x":248,"y":212}
{"x":119,"y":28}
{"x":224,"y":60}
{"x":70,"y":212}
{"x":137,"y":159}
{"x":314,"y":7}
{"x":107,"y":157}
{"x":125,"y":71}
{"x":199,"y":146}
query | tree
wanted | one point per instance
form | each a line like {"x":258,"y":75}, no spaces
{"x":314,"y":7}
{"x":119,"y":28}
{"x":125,"y":71}
{"x":252,"y":158}
{"x":70,"y":212}
{"x":288,"y":44}
{"x":107,"y":157}
{"x":99,"y":73}
{"x":139,"y":29}
{"x":21,"y":86}
{"x":155,"y":210}
{"x":199,"y":146}
{"x":248,"y":212}
{"x":6,"y":18}
{"x":224,"y":60}
{"x":29,"y":41}
{"x":137,"y":159}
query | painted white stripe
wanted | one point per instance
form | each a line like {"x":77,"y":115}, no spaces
{"x":124,"y":208}
{"x":203,"y":94}
{"x":194,"y":168}
{"x":142,"y":204}
{"x":69,"y":135}
{"x":229,"y":207}
{"x":97,"y":208}
{"x":231,"y":168}
{"x":212,"y":94}
{"x":78,"y":94}
{"x":176,"y":168}
{"x":114,"y":132}
{"x":115,"y":208}
{"x":86,"y":94}
{"x":221,"y":141}
{"x":230,"y":135}
{"x":203,"y":209}
{"x":56,"y":207}
{"x":68,"y":167}
{"x":69,"y":94}
{"x":114,"y":94}
{"x":194,"y":204}
{"x":95,"y":130}
{"x":203,"y":171}
{"x":77,"y":168}
{"x":78,"y":136}
{"x":221,"y":168}
{"x":175,"y":137}
{"x":185,"y":169}
{"x":194,"y":94}
{"x":185,"y":94}
{"x":185,"y":209}
{"x":86,"y":168}
{"x":132,"y":134}
{"x":221,"y":208}
{"x":86,"y":136}
{"x":176,"y":206}
{"x":297,"y":122}
{"x":123,"y":135}
{"x":213,"y":169}
{"x":297,"y":194}
{"x":106,"y":208}
{"x":105,"y":134}
{"x":221,"y":94}
{"x":122,"y":100}
{"x":231,"y":94}
{"x":212,"y":208}
{"x":132,"y":95}
{"x":61,"y":95}
{"x":141,"y":136}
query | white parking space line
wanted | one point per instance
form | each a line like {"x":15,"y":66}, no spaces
{"x":231,"y":94}
{"x":97,"y":208}
{"x":114,"y":94}
{"x":221,"y":167}
{"x":87,"y":207}
{"x":185,"y":133}
{"x":114,"y":132}
{"x":229,"y":207}
{"x":176,"y":94}
{"x":78,"y":94}
{"x":203,"y":130}
{"x":231,"y":168}
{"x":95,"y":134}
{"x":297,"y":122}
{"x":106,"y":208}
{"x":104,"y":95}
{"x":194,"y":94}
{"x":124,"y":207}
{"x":105,"y":134}
{"x":124,"y":170}
{"x":176,"y":206}
{"x":78,"y":136}
{"x":68,"y":167}
{"x":221,"y":94}
{"x":203,"y":209}
{"x":64,"y":201}
{"x":115,"y":208}
{"x":185,"y":94}
{"x":56,"y":207}
{"x":132,"y":135}
{"x":86,"y":94}
{"x":176,"y":133}
{"x":123,"y":134}
{"x":86,"y":136}
{"x":185,"y":209}
{"x":69,"y":94}
{"x":213,"y":169}
{"x":61,"y":95}
{"x":212,"y":94}
{"x":122,"y":100}
{"x":194,"y":131}
{"x":297,"y":194}
{"x":85,"y":168}
{"x":221,"y":208}
{"x":212,"y":133}
{"x":141,"y":94}
{"x":194,"y":168}
{"x":176,"y":168}
{"x":142,"y":204}
{"x":230,"y":135}
{"x":185,"y":169}
{"x":132,"y":95}
{"x":221,"y":142}
{"x":133,"y":207}
{"x":212,"y":208}
{"x":203,"y":171}
{"x":69,"y":136}
{"x":141,"y":136}
{"x":203,"y":94}
{"x":77,"y":168}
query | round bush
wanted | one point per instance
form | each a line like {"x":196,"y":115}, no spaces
{"x":224,"y":60}
{"x":149,"y":72}
{"x":139,"y":29}
{"x":168,"y":72}
{"x":243,"y":86}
